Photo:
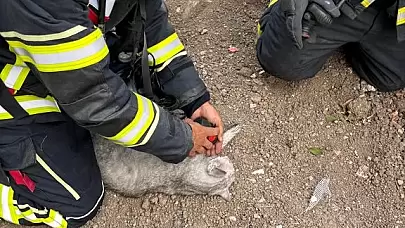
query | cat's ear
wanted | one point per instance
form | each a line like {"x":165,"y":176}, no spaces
{"x":218,"y":172}
{"x":226,"y":195}
{"x":230,"y":133}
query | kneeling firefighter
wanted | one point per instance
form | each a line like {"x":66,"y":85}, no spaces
{"x":296,"y":38}
{"x":68,"y":67}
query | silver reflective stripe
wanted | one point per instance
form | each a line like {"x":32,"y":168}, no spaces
{"x":152,"y":127}
{"x":64,"y":57}
{"x":142,"y":121}
{"x":32,"y":106}
{"x":27,"y":105}
{"x":163,"y":51}
{"x":15,"y":77}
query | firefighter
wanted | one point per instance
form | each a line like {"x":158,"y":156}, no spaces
{"x":65,"y":71}
{"x":296,"y":37}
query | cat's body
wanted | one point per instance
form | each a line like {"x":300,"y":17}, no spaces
{"x":133,"y":173}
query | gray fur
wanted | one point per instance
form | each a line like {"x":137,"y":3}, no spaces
{"x":133,"y":173}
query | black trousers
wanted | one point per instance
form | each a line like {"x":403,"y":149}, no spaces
{"x":58,"y":157}
{"x":370,"y":40}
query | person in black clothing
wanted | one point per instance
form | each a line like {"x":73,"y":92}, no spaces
{"x":295,"y":38}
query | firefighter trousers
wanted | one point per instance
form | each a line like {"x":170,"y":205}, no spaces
{"x":53,"y":176}
{"x":370,"y":42}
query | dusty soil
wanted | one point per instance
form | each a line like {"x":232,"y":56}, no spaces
{"x":360,"y":134}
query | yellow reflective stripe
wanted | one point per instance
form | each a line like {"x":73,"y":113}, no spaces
{"x":367,"y":3}
{"x":152,"y":127}
{"x":56,"y":48}
{"x":131,"y":134}
{"x":57,"y":178}
{"x":14,"y":76}
{"x":4,"y":203}
{"x":34,"y":210}
{"x":55,"y":220}
{"x":167,"y":62}
{"x":32,"y":105}
{"x":259,"y":30}
{"x":67,"y":56}
{"x":401,"y":16}
{"x":48,"y":37}
{"x":7,"y":207}
{"x":164,"y":50}
{"x":272,"y":3}
{"x":13,"y":213}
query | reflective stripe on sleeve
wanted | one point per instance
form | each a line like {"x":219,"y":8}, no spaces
{"x":143,"y":120}
{"x":401,"y":16}
{"x":272,"y":3}
{"x":367,"y":3}
{"x":164,"y":50}
{"x":66,"y":56}
{"x":47,"y":37}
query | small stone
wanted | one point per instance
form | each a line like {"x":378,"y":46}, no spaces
{"x":279,"y":226}
{"x":400,"y":182}
{"x":256,"y":216}
{"x":178,"y":10}
{"x":162,"y":199}
{"x":253,"y":75}
{"x":145,"y":204}
{"x":154,"y":200}
{"x":256,"y":98}
{"x":252,"y":106}
{"x":252,"y":180}
{"x":401,"y":131}
{"x":244,"y":71}
{"x":232,"y":218}
{"x":363,"y":171}
{"x":258,"y":172}
{"x":262,"y":200}
{"x":204,"y":31}
{"x":203,"y":52}
{"x":257,"y":81}
{"x":360,"y":107}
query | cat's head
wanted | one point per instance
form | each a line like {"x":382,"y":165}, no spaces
{"x":210,"y":175}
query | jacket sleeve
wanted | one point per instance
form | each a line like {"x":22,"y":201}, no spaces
{"x":70,"y":57}
{"x":168,"y":57}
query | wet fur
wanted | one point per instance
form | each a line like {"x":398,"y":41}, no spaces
{"x":133,"y":173}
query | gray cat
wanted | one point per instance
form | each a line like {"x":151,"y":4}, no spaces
{"x":133,"y":173}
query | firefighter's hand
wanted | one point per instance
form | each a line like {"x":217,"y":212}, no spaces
{"x":208,"y":112}
{"x":201,"y":144}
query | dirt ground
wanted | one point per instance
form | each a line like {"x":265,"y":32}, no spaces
{"x":361,"y":136}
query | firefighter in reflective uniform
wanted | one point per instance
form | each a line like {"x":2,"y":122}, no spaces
{"x":60,"y":80}
{"x":296,"y":37}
